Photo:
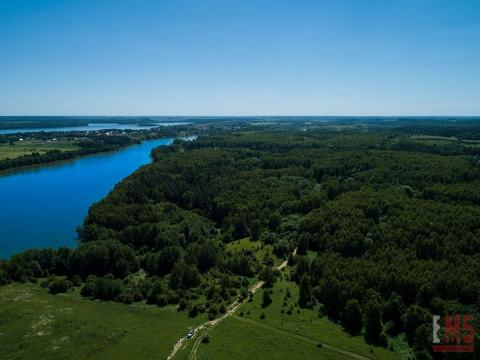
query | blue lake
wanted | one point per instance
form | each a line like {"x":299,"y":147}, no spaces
{"x":91,"y":127}
{"x":41,"y":207}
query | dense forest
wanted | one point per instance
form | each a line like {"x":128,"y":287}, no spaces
{"x":387,"y":230}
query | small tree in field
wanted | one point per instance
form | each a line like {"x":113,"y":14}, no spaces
{"x":353,"y":317}
{"x":267,"y":299}
{"x":305,"y":299}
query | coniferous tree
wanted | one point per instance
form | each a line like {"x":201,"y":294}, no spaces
{"x":305,"y":298}
{"x":266,"y":299}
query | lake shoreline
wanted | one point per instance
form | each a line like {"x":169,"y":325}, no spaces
{"x":35,"y":158}
{"x":55,"y":197}
{"x":63,"y":161}
{"x":15,"y":169}
{"x":13,"y":129}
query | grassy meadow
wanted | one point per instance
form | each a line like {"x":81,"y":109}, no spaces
{"x":31,"y":146}
{"x":442,"y":140}
{"x":280,"y":335}
{"x":37,"y":325}
{"x":260,"y":250}
{"x":307,"y":322}
{"x":237,"y":339}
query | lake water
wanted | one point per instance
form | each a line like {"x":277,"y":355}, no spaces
{"x":92,"y":127}
{"x":41,"y":207}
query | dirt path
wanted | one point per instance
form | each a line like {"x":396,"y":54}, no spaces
{"x":234,"y":307}
{"x":212,"y":323}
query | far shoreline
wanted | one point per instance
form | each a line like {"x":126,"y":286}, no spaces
{"x":54,"y":163}
{"x":88,"y":142}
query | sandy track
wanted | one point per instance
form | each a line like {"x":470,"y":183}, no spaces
{"x":212,"y":323}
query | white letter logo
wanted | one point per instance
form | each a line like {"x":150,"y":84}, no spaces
{"x":436,"y":328}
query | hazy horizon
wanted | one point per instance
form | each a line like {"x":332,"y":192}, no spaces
{"x":238,"y":116}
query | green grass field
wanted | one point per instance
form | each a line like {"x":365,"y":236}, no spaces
{"x":238,"y":339}
{"x":28,"y":147}
{"x":307,"y":323}
{"x":281,"y":336}
{"x":441,"y":140}
{"x":257,"y":247}
{"x":37,"y":325}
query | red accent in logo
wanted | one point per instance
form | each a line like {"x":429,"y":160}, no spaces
{"x":458,"y":331}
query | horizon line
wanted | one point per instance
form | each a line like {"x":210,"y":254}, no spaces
{"x":241,"y":116}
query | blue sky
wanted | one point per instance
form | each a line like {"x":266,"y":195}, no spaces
{"x":240,"y":57}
